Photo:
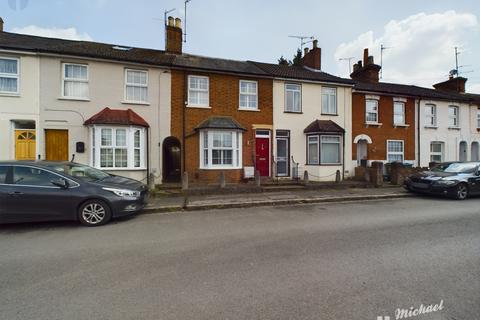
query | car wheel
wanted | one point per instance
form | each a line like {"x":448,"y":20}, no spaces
{"x":461,"y":191}
{"x":94,"y":213}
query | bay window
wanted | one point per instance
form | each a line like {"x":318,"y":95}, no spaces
{"x":198,"y":91}
{"x":248,"y":95}
{"x":324,"y":149}
{"x":395,"y":151}
{"x":312,"y":150}
{"x":118,"y":147}
{"x":9,"y":75}
{"x":136,"y":86}
{"x":75,"y":81}
{"x":220,"y":149}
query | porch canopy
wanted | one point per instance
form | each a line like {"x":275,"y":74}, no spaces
{"x":117,"y":117}
{"x":220,"y":122}
{"x":323,"y":126}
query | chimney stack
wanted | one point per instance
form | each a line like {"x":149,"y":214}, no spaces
{"x":173,"y":41}
{"x":456,"y":85}
{"x":313,"y":58}
{"x":1,"y":24}
{"x":368,"y":72}
{"x":305,"y":51}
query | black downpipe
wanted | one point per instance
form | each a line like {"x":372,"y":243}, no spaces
{"x":148,"y":158}
{"x":418,"y":131}
{"x":185,"y":97}
{"x":343,"y":158}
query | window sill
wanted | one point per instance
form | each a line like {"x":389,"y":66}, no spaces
{"x":294,"y":112}
{"x":430,"y":127}
{"x":198,"y":106}
{"x":220,"y":168}
{"x":248,"y":109}
{"x":373,"y":124}
{"x":122,"y":169}
{"x":10,"y":94}
{"x":329,"y":114}
{"x":324,"y":165}
{"x":401,"y":125}
{"x":454,"y":128}
{"x":74,"y":99}
{"x":141,"y":103}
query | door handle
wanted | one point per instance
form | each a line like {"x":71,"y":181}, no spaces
{"x":15,"y":193}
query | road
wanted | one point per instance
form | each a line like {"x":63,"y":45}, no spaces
{"x":354,"y":260}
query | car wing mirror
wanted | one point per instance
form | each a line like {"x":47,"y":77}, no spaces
{"x":62,"y":183}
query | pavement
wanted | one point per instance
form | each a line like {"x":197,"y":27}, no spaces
{"x":328,"y":261}
{"x":293,"y":196}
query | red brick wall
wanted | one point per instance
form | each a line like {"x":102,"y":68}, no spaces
{"x":224,"y":101}
{"x":379,"y":135}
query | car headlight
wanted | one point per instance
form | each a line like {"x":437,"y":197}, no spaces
{"x":445,"y":182}
{"x":124,"y":193}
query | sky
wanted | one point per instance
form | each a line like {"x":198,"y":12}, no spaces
{"x":420,"y":35}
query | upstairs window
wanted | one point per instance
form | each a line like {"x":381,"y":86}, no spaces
{"x":293,"y":97}
{"x":329,"y":101}
{"x":198,"y":91}
{"x":430,"y":115}
{"x":399,"y":113}
{"x":136,"y":86}
{"x":453,"y":116}
{"x":371,"y":107}
{"x":75,"y":81}
{"x":248,"y":95}
{"x":9,"y":76}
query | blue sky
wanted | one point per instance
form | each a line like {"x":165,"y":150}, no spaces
{"x":422,"y":34}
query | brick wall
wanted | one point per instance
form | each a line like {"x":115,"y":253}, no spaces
{"x":377,"y":150}
{"x":224,"y":101}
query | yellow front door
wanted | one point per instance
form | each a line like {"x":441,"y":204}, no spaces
{"x":25,"y":141}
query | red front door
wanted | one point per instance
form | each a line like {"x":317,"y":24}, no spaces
{"x":262,"y":154}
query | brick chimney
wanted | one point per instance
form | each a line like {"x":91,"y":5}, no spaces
{"x":313,"y":58}
{"x":452,"y":85}
{"x":366,"y":72}
{"x":173,"y":41}
{"x":1,"y":24}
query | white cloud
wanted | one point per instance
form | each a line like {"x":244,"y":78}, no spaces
{"x":67,"y":33}
{"x":421,"y":46}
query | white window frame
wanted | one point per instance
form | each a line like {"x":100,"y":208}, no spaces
{"x":432,"y":153}
{"x":201,"y":105}
{"x":326,"y":108}
{"x":431,"y":115}
{"x":96,"y":139}
{"x":402,"y":104}
{"x":402,"y":153}
{"x":236,"y":150}
{"x":127,"y":84}
{"x":299,"y":90}
{"x":313,"y":140}
{"x":12,"y":76}
{"x":339,"y":148}
{"x":455,"y":118}
{"x":367,"y":112}
{"x":240,"y":94}
{"x":64,"y":64}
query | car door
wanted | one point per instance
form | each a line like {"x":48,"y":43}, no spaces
{"x":475,"y":182}
{"x":3,"y":191}
{"x":33,"y":197}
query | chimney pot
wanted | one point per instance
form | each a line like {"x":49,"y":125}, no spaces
{"x":1,"y":24}
{"x":178,"y":23}
{"x":305,"y":51}
{"x":170,"y":21}
{"x":315,"y":43}
{"x":365,"y":56}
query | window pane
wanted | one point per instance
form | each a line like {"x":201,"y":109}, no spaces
{"x":136,"y":77}
{"x":121,"y":158}
{"x":395,"y":146}
{"x":106,"y":158}
{"x":227,"y":157}
{"x":227,"y":140}
{"x":136,"y":157}
{"x":313,"y":150}
{"x":136,"y":139}
{"x":75,"y":89}
{"x":330,"y":152}
{"x":217,"y":140}
{"x":8,"y":84}
{"x":121,"y":137}
{"x":106,"y":137}
{"x":9,"y":66}
{"x":216,"y":157}
{"x":3,"y":174}
{"x":33,"y":177}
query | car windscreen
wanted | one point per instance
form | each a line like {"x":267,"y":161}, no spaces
{"x":82,"y":172}
{"x":456,"y":167}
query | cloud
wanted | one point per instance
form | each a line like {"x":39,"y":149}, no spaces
{"x":474,"y":88}
{"x":67,"y":33}
{"x":421,"y":46}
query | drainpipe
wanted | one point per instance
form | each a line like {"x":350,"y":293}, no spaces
{"x":343,"y":161}
{"x":148,"y":158}
{"x":185,"y":97}
{"x":418,"y":132}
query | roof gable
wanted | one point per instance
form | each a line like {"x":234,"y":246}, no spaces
{"x":117,"y":117}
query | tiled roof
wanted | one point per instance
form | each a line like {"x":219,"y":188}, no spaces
{"x":410,"y":91}
{"x":327,"y":126}
{"x":218,"y":122}
{"x":301,"y":73}
{"x":216,"y":64}
{"x":118,"y":117}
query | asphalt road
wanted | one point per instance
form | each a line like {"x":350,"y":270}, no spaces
{"x":334,"y":261}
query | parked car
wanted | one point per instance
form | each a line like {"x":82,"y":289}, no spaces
{"x":46,"y":190}
{"x":453,"y":179}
